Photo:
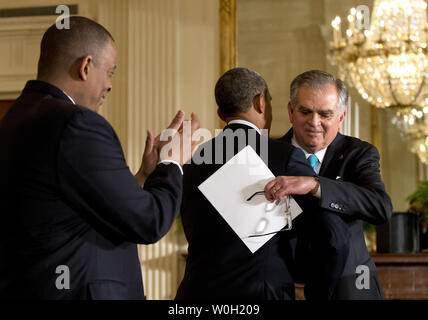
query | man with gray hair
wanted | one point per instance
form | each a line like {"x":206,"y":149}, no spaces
{"x":350,"y":185}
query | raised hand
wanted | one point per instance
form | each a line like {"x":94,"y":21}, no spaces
{"x":180,"y":139}
{"x":150,"y":158}
{"x":176,"y":143}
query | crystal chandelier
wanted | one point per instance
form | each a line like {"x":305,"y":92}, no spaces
{"x":387,"y":63}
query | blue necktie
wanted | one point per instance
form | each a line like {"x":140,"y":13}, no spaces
{"x":313,"y":161}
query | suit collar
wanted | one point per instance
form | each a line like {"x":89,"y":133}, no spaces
{"x":332,"y":153}
{"x":46,"y":89}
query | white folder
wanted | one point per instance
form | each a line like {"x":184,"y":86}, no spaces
{"x":228,"y":190}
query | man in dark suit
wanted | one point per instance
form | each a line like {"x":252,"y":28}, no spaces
{"x":219,"y":265}
{"x":71,"y":211}
{"x":349,"y":179}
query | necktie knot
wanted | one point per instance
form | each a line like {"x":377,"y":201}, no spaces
{"x":313,"y":161}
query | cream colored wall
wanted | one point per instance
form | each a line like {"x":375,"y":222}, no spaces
{"x":199,"y":62}
{"x":168,"y":58}
{"x":282,"y":38}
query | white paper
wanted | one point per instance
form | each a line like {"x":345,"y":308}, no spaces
{"x":228,"y":190}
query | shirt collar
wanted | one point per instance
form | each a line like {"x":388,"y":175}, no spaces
{"x":319,"y":154}
{"x":245,"y":122}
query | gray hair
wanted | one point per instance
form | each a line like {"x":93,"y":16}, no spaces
{"x":236,"y":89}
{"x":316,"y":79}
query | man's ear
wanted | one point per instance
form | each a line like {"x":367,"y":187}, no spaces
{"x":290,"y":111}
{"x":220,"y":114}
{"x":259,"y":103}
{"x":85,"y":67}
{"x":341,"y":118}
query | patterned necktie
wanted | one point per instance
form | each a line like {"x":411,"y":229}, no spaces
{"x":313,"y":161}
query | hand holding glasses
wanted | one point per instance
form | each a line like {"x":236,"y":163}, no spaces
{"x":263,"y":223}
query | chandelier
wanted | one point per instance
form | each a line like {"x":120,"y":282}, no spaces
{"x":387,"y":63}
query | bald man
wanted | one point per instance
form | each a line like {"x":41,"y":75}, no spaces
{"x":71,"y":211}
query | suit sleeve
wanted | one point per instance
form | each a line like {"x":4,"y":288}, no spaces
{"x":96,"y":182}
{"x":361,"y":195}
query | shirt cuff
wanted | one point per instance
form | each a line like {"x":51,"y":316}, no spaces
{"x":172,"y":161}
{"x":318,"y":193}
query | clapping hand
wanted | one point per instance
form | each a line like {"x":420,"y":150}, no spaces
{"x":176,"y":143}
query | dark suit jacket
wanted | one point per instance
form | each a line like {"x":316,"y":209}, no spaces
{"x":219,"y":265}
{"x":352,"y":188}
{"x":68,"y":198}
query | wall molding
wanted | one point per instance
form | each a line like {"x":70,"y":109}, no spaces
{"x":26,"y":23}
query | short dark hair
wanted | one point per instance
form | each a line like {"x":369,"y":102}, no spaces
{"x":60,"y":48}
{"x":236,"y":89}
{"x":316,"y":79}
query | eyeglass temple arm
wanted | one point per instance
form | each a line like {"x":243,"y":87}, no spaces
{"x":255,"y":194}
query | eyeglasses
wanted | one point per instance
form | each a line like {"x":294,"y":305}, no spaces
{"x":263,"y":223}
{"x":255,"y":194}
